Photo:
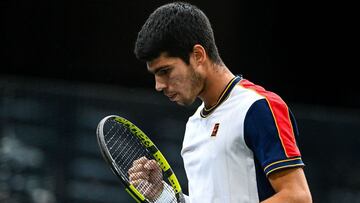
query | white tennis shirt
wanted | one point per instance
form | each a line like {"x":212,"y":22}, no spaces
{"x":229,"y":150}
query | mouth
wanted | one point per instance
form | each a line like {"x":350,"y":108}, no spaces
{"x":172,"y":97}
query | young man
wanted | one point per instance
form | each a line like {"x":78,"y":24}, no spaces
{"x":240,"y":145}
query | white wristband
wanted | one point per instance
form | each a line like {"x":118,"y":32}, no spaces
{"x":164,"y":196}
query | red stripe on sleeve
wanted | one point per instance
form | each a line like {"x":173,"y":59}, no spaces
{"x":281,"y":116}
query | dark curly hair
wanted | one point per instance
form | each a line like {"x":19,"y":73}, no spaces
{"x":174,"y":29}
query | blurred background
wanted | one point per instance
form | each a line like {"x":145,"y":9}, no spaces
{"x":67,"y":64}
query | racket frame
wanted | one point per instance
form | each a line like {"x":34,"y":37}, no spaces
{"x":150,"y":146}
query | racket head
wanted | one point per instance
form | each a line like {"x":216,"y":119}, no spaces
{"x":121,"y":142}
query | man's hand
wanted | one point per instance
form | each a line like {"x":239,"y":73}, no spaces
{"x":146,"y":176}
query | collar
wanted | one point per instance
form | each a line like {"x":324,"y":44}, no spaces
{"x":224,"y":95}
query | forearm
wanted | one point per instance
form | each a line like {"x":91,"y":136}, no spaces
{"x":290,"y":185}
{"x":289,"y":197}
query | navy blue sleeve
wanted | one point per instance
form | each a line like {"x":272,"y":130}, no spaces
{"x":270,"y":131}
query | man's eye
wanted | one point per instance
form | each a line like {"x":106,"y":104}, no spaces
{"x":163,"y":71}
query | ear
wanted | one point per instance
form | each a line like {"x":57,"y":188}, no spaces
{"x":199,"y":54}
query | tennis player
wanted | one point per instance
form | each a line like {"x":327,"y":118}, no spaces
{"x":240,"y":145}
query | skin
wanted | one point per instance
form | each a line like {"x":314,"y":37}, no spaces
{"x":145,"y":175}
{"x":290,"y":186}
{"x":183,"y":83}
{"x":204,"y":79}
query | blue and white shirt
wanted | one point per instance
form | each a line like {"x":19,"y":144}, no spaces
{"x":230,"y":149}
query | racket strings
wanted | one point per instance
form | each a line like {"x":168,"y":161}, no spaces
{"x":138,"y":151}
{"x":108,"y":132}
{"x":167,"y":196}
{"x":125,"y":148}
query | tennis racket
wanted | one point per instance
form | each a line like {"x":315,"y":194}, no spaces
{"x":122,"y":144}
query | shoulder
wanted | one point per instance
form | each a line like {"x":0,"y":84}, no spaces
{"x":196,"y":115}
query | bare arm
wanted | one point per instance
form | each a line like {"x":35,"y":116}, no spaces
{"x":290,"y":186}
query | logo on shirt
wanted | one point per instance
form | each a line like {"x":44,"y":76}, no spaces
{"x":215,"y":129}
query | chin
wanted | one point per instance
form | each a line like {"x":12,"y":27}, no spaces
{"x":185,"y":103}
{"x":181,"y":104}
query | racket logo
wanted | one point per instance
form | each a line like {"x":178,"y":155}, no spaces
{"x":215,"y":130}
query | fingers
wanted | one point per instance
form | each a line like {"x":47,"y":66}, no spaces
{"x":148,"y":189}
{"x":138,"y":165}
{"x":146,"y":176}
{"x":145,"y":169}
{"x":144,"y":163}
{"x":151,"y":165}
{"x":141,"y":160}
{"x":136,"y":168}
{"x":139,"y":183}
{"x":141,"y":169}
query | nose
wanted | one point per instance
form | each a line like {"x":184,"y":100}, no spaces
{"x":160,"y":84}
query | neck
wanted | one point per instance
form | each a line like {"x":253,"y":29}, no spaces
{"x":217,"y":78}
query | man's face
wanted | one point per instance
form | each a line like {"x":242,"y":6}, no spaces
{"x":178,"y":81}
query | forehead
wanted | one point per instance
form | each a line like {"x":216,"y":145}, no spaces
{"x":162,"y":61}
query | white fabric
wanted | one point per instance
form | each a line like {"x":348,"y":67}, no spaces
{"x":221,"y":169}
{"x":165,"y":197}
